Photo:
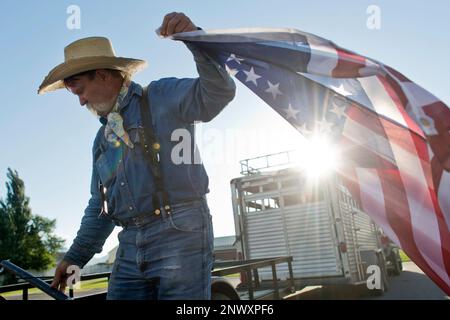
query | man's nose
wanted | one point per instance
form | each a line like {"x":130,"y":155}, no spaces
{"x":82,"y":101}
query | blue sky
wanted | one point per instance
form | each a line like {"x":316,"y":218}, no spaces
{"x":48,"y":138}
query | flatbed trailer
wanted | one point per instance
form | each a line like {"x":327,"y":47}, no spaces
{"x":221,"y":288}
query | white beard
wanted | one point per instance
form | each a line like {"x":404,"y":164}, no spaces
{"x":100,"y":109}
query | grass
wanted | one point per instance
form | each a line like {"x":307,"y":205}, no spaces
{"x":234,"y":275}
{"x":85,"y":285}
{"x":404,"y":257}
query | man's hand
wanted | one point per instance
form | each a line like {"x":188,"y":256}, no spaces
{"x":176,"y":22}
{"x":60,"y":279}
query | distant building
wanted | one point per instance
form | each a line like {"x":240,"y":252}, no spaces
{"x":225,"y":249}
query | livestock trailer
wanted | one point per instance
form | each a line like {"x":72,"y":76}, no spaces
{"x":316,"y":221}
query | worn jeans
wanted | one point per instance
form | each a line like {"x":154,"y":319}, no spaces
{"x":165,"y":257}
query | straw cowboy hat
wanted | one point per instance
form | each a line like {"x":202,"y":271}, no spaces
{"x":88,"y":54}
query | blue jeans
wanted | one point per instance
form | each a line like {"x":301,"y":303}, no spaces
{"x":165,"y":257}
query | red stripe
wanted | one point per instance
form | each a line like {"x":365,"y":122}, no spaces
{"x":383,"y":128}
{"x":397,"y":95}
{"x":348,"y":64}
{"x":362,"y":156}
{"x":400,"y":77}
{"x":440,"y":144}
{"x":436,"y":171}
{"x":438,"y":111}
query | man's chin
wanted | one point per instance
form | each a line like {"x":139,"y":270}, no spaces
{"x":97,"y":113}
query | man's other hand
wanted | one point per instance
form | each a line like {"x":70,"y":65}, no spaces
{"x":60,"y":279}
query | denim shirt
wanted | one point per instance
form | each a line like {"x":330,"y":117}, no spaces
{"x":123,"y":171}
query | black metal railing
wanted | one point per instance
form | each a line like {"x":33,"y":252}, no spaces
{"x":250,"y":269}
{"x":247,"y":267}
{"x":29,"y":282}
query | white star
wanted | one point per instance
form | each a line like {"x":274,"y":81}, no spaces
{"x":231,"y":72}
{"x":252,"y":76}
{"x":234,"y":58}
{"x":324,"y":126}
{"x":341,"y":90}
{"x":339,"y":111}
{"x":273,"y":89}
{"x":291,"y":112}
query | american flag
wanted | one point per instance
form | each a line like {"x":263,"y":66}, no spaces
{"x":394,"y":135}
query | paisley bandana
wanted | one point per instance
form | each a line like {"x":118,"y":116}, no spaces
{"x":114,"y":128}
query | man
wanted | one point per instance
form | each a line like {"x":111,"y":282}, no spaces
{"x":166,"y":244}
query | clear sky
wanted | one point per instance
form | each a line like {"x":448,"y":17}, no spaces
{"x":48,"y":138}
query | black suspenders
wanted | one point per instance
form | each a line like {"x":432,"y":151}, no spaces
{"x":150,"y":149}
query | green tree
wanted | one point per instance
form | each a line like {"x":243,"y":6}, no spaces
{"x":26,"y":239}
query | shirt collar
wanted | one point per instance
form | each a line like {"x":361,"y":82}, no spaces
{"x":133,"y":89}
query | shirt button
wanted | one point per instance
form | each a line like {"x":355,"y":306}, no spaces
{"x":122,"y":183}
{"x":131,"y":208}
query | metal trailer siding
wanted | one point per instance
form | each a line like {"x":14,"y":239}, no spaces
{"x":360,"y":231}
{"x":303,"y":231}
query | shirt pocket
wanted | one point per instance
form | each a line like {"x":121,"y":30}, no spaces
{"x":133,"y":132}
{"x":108,"y":160}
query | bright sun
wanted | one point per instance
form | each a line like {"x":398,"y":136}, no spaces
{"x":318,"y":157}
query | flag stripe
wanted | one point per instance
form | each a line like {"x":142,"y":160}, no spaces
{"x":372,"y":199}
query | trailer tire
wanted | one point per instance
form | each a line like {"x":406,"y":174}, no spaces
{"x":397,"y":267}
{"x":398,"y":264}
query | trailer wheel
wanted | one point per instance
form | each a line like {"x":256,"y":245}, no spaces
{"x":398,"y":263}
{"x":397,"y":267}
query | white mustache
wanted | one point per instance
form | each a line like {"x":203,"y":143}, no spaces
{"x":99,"y":109}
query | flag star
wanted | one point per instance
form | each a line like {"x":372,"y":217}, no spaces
{"x":324,"y":126}
{"x":341,"y":90}
{"x":231,"y":72}
{"x":252,"y":76}
{"x":273,"y":89}
{"x":291,"y":112}
{"x":234,"y":58}
{"x":339,"y":111}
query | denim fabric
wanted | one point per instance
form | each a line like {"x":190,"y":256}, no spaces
{"x":165,"y":257}
{"x":123,"y":171}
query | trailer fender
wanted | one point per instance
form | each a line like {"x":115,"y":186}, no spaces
{"x":221,"y":289}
